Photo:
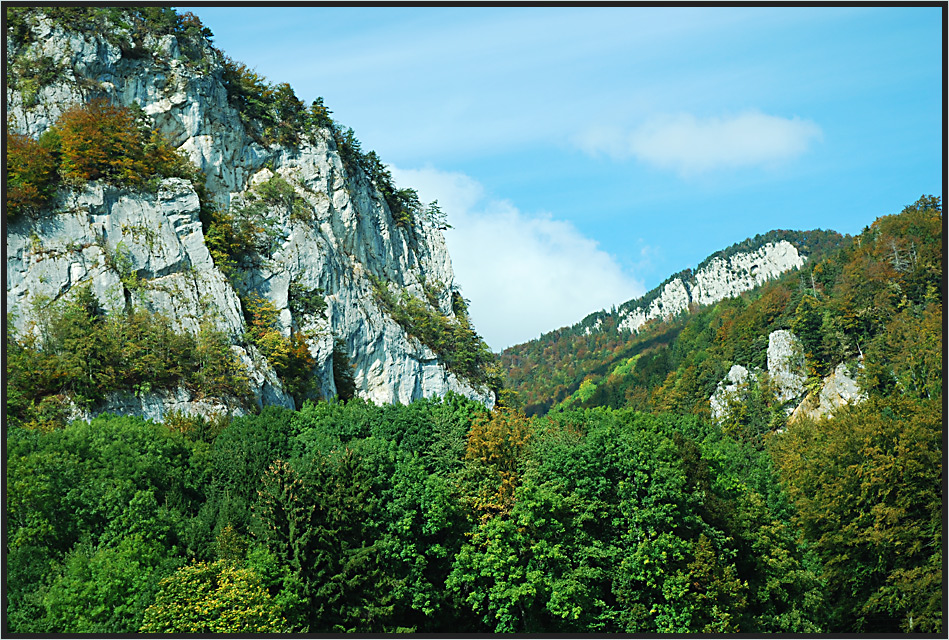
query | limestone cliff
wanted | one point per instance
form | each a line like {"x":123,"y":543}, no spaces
{"x":786,"y":377}
{"x":720,"y":278}
{"x":345,"y":239}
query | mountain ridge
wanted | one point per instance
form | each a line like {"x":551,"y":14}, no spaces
{"x":724,"y":273}
{"x":806,"y":243}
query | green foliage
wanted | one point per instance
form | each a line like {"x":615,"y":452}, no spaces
{"x":97,"y":513}
{"x":213,"y":598}
{"x":494,"y":454}
{"x":30,"y":73}
{"x":437,"y":217}
{"x":714,"y":594}
{"x":457,"y":344}
{"x":106,"y":589}
{"x":236,"y":462}
{"x":320,"y":520}
{"x":250,"y":229}
{"x":280,"y":194}
{"x":305,"y":302}
{"x":405,"y":206}
{"x":413,"y":514}
{"x":868,"y":488}
{"x":216,"y":371}
{"x":343,"y":378}
{"x":289,"y":356}
{"x":230,"y":239}
{"x":439,"y":516}
{"x":753,"y":412}
{"x":82,"y":354}
{"x":623,"y":522}
{"x":272,"y":114}
{"x":319,"y":116}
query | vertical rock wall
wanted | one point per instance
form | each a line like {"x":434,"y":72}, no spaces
{"x":347,"y":236}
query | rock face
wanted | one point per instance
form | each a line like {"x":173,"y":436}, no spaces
{"x":786,"y":365}
{"x":727,"y":277}
{"x":719,"y":279}
{"x":728,"y":390}
{"x":786,"y":376}
{"x":347,"y":236}
{"x":837,"y":389}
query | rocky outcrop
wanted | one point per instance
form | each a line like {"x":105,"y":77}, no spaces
{"x":786,"y":366}
{"x":728,"y":391}
{"x":159,"y":405}
{"x":786,"y":377}
{"x":727,"y":277}
{"x":345,"y":236}
{"x":719,"y":279}
{"x":158,"y":238}
{"x":836,"y":390}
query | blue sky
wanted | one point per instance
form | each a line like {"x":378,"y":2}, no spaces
{"x":584,"y":154}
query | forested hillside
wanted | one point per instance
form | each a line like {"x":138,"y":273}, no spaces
{"x":551,"y":369}
{"x":442,"y":516}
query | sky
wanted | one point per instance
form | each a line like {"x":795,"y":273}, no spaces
{"x":584,"y":154}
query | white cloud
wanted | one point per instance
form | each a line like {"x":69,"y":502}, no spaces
{"x":690,"y":145}
{"x":524,"y":274}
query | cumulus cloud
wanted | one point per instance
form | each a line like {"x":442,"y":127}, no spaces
{"x":524,"y":274}
{"x":691,"y":145}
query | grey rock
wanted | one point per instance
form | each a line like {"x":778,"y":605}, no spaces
{"x":728,"y":390}
{"x":720,"y":279}
{"x":838,"y":389}
{"x":348,"y":238}
{"x":786,"y":365}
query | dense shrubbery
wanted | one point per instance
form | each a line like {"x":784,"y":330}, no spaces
{"x":80,"y":354}
{"x":271,"y":114}
{"x":97,"y":513}
{"x":241,"y":236}
{"x":30,"y":73}
{"x":305,"y":302}
{"x":213,"y":598}
{"x":433,"y":517}
{"x":31,"y":174}
{"x":869,"y":490}
{"x":289,"y":356}
{"x":100,"y":140}
{"x":93,"y":141}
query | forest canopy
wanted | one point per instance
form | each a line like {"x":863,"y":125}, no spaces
{"x":599,"y":495}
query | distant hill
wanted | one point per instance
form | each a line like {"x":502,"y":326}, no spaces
{"x":551,"y":368}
